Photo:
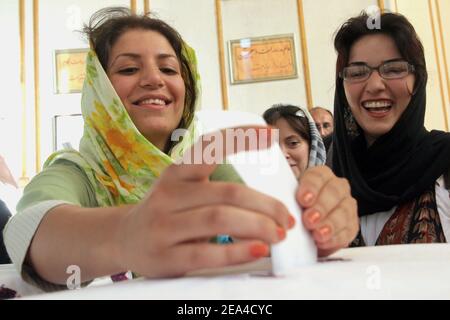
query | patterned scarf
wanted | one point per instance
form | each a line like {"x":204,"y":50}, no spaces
{"x":417,"y":221}
{"x":119,"y":161}
{"x":317,"y":152}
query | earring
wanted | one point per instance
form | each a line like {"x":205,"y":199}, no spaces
{"x":413,"y":92}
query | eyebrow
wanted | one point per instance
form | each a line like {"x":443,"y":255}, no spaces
{"x":136,"y":56}
{"x":383,"y":62}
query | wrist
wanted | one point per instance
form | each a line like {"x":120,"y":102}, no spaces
{"x":119,"y":250}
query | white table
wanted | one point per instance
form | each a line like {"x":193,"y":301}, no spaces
{"x":388,"y":272}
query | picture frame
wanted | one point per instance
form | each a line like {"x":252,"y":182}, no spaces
{"x":262,"y":59}
{"x":70,"y":70}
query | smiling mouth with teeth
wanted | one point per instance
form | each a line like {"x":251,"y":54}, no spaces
{"x":377,"y":106}
{"x":158,"y":102}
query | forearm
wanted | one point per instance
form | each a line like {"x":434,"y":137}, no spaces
{"x":85,"y":237}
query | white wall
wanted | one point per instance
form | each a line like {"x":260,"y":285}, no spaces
{"x":247,"y":18}
{"x":195,"y":21}
{"x":418,"y":13}
{"x":444,"y":6}
{"x":66,"y":17}
{"x":321,"y":23}
{"x":11,"y":106}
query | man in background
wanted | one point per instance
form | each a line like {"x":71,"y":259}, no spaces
{"x":324,"y":123}
{"x":324,"y":120}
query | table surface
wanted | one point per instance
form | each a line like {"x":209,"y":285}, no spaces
{"x":384,"y":272}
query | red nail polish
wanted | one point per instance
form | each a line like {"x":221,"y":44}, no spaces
{"x":313,"y":218}
{"x":259,"y":250}
{"x":291,"y":221}
{"x":325,"y":232}
{"x":308,"y":198}
{"x":281,"y":233}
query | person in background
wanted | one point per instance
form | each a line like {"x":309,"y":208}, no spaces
{"x":7,"y":179}
{"x":5,"y":215}
{"x":299,"y":139}
{"x":121,"y":203}
{"x":324,"y":123}
{"x":301,"y":144}
{"x":6,"y":176}
{"x":398,"y":170}
{"x":324,"y":120}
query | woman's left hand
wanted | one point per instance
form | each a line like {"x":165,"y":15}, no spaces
{"x":329,"y":210}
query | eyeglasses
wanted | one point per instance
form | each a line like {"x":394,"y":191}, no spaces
{"x":360,"y":71}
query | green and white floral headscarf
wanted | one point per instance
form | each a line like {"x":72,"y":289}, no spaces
{"x":118,"y":160}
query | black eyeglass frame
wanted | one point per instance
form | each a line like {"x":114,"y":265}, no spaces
{"x":410,"y":69}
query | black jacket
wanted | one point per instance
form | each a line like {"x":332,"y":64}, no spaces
{"x":4,"y":217}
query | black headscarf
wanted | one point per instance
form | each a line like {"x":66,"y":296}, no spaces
{"x":398,"y":166}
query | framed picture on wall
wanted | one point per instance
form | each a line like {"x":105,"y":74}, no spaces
{"x":262,"y":59}
{"x":70,"y":70}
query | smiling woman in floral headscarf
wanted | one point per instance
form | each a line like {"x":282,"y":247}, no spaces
{"x":119,"y":203}
{"x":141,"y":84}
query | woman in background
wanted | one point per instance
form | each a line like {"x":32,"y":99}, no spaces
{"x":4,"y":217}
{"x":303,"y":148}
{"x":6,"y":178}
{"x":300,"y":140}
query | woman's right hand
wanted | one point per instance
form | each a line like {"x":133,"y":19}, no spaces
{"x":168,"y":233}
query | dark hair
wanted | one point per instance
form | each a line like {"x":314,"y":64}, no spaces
{"x":108,"y":24}
{"x":288,"y":112}
{"x":393,"y":25}
{"x":323,"y":109}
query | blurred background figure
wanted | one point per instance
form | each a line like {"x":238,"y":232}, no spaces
{"x":324,"y":123}
{"x":324,"y":120}
{"x":4,"y":218}
{"x":299,"y":139}
{"x":6,"y":178}
{"x":10,"y":192}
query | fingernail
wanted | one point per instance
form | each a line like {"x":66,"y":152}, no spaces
{"x":291,"y":221}
{"x":313,"y":218}
{"x":281,"y":233}
{"x":308,"y":198}
{"x":325,"y":232}
{"x":259,"y":250}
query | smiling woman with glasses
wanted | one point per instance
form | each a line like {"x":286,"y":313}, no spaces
{"x":398,"y":171}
